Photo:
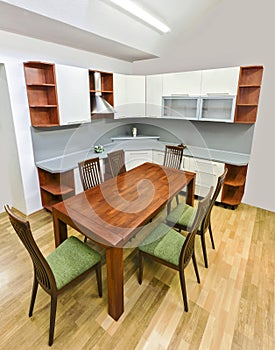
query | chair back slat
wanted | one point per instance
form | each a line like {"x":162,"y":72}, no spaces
{"x":116,"y":161}
{"x":188,"y":246}
{"x":173,"y":156}
{"x":90,"y":174}
{"x":42,"y":269}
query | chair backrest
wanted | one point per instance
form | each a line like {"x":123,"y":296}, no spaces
{"x":90,"y":174}
{"x":42,"y":269}
{"x":116,"y":161}
{"x":206,"y":220}
{"x":173,"y":156}
{"x":188,"y":246}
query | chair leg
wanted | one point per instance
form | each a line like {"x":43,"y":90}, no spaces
{"x":211,"y":235}
{"x":99,"y":279}
{"x":203,"y":245}
{"x":196,"y":267}
{"x":33,"y":297}
{"x":140,"y":267}
{"x":183,"y":290}
{"x":52,"y":318}
{"x":85,"y":239}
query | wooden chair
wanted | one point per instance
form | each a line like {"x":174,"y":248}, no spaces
{"x":116,"y":161}
{"x":90,"y":173}
{"x":67,"y":264}
{"x":173,"y":156}
{"x":169,"y":247}
{"x":183,"y":214}
{"x":173,"y":159}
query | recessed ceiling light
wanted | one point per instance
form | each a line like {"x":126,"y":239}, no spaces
{"x":137,"y":11}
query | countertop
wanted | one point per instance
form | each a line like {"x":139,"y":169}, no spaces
{"x":70,"y":161}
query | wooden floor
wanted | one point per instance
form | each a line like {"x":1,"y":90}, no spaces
{"x":232,"y":308}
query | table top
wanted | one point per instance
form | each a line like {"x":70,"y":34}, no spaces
{"x":111,"y":213}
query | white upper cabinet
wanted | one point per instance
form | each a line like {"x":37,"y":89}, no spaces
{"x":154,"y":95}
{"x":73,"y":94}
{"x":220,"y":81}
{"x":185,"y":83}
{"x":129,"y":95}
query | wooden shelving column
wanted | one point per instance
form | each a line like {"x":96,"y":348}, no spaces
{"x":42,"y":96}
{"x":233,"y":187}
{"x":56,"y":187}
{"x":250,"y":80}
{"x":106,"y":90}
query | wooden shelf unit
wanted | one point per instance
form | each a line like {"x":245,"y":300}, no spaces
{"x":55,"y":187}
{"x":106,"y":90}
{"x":42,"y":95}
{"x":234,"y":184}
{"x":249,"y":87}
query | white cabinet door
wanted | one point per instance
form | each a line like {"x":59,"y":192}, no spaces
{"x":154,"y":95}
{"x":158,"y":157}
{"x":73,"y":94}
{"x":129,"y":95}
{"x":207,"y":173}
{"x":136,"y":158}
{"x":188,"y":83}
{"x":220,"y":81}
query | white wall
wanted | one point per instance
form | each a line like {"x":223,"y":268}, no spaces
{"x":235,"y":33}
{"x":20,"y":186}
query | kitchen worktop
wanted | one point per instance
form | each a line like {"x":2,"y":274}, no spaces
{"x":70,"y":161}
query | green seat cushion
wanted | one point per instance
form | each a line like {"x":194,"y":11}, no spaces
{"x":183,"y":214}
{"x":70,"y":259}
{"x":164,"y":243}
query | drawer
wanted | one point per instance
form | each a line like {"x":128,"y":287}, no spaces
{"x":206,"y":166}
{"x":206,"y":179}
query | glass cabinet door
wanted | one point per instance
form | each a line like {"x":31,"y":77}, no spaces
{"x":220,"y":109}
{"x":180,"y":107}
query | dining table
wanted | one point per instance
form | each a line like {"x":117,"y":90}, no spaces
{"x":113,"y":212}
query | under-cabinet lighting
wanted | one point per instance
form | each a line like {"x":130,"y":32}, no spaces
{"x":137,"y":11}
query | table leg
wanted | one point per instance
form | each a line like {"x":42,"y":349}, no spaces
{"x":114,"y":263}
{"x":60,"y":230}
{"x":191,"y":192}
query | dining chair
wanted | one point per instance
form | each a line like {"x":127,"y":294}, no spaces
{"x":90,"y":173}
{"x":67,"y":264}
{"x":170,"y":248}
{"x":173,"y":156}
{"x":116,"y":161}
{"x":183,"y":214}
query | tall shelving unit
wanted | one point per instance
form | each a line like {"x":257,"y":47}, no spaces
{"x":249,"y":87}
{"x":42,"y":95}
{"x":106,"y":90}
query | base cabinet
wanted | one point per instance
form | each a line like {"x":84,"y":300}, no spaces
{"x":55,"y":187}
{"x":234,"y":184}
{"x":136,"y":158}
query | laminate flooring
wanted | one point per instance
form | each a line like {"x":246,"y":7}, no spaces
{"x":232,"y":308}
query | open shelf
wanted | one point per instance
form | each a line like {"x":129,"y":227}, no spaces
{"x":249,"y":87}
{"x":42,"y":96}
{"x":234,"y":184}
{"x":55,"y":187}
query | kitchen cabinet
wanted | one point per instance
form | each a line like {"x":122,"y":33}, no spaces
{"x":217,"y":108}
{"x":136,"y":158}
{"x":73,"y":94}
{"x":154,"y":95}
{"x":181,"y":107}
{"x":207,"y":173}
{"x":249,"y":87}
{"x":220,"y":81}
{"x":234,"y":184}
{"x":101,"y":83}
{"x":55,"y":187}
{"x":129,"y":95}
{"x":183,"y":83}
{"x":42,"y":96}
{"x":158,"y":157}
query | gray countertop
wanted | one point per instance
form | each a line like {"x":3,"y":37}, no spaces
{"x":70,"y":161}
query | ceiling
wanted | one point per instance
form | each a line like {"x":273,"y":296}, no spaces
{"x":98,"y":26}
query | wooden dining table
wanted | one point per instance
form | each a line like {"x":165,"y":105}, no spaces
{"x":110,"y":214}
